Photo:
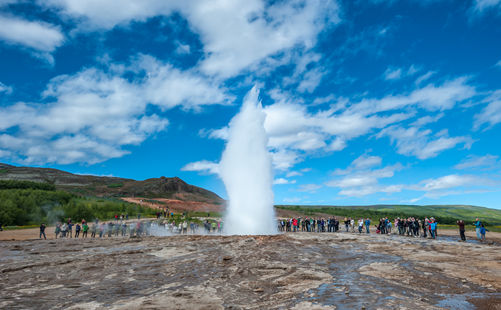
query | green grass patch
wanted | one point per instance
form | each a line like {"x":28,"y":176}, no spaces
{"x":20,"y":227}
{"x":115,"y":185}
{"x":15,"y":184}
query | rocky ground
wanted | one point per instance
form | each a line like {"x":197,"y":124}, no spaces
{"x":288,"y":271}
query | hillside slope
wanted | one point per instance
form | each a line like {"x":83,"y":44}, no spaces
{"x":90,"y":185}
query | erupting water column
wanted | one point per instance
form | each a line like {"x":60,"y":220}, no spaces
{"x":246,"y":171}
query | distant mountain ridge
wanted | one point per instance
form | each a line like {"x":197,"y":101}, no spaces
{"x":163,"y":187}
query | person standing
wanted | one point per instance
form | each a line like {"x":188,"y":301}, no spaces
{"x":85,"y":229}
{"x":433,"y":228}
{"x":58,"y":229}
{"x":360,"y":225}
{"x":483,"y":230}
{"x":42,"y":231}
{"x":70,"y":228}
{"x":461,"y":229}
{"x":77,"y":230}
{"x":367,"y":225}
{"x":64,"y":228}
{"x":478,"y":226}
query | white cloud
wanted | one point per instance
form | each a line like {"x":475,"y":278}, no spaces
{"x":284,"y":159}
{"x":365,"y":161}
{"x":498,"y":64}
{"x":393,"y":74}
{"x":309,"y":188}
{"x":39,"y":36}
{"x":236,"y":34}
{"x":482,"y":5}
{"x":6,"y":2}
{"x":293,"y":174}
{"x":448,"y":181}
{"x":485,"y":162}
{"x":443,"y":186}
{"x":168,"y":87}
{"x":421,"y":143}
{"x":292,"y":199}
{"x":424,"y":77}
{"x":428,"y":119}
{"x":430,"y":98}
{"x":413,"y":70}
{"x":491,"y":114}
{"x":370,"y":189}
{"x":106,"y":14}
{"x":281,"y":181}
{"x":362,"y":180}
{"x":359,"y":179}
{"x":310,"y":81}
{"x":183,"y":48}
{"x":91,"y":115}
{"x":5,"y":89}
{"x":202,"y":166}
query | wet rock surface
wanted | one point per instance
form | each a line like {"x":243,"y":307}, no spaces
{"x":291,"y":271}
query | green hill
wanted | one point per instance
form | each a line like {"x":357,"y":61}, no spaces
{"x":90,"y":185}
{"x":444,"y":213}
{"x":26,"y":203}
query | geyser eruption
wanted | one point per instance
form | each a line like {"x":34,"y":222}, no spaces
{"x":246,"y":171}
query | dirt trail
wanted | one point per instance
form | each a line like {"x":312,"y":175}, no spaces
{"x":289,"y":271}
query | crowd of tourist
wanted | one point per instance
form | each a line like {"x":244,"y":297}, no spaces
{"x":414,"y":227}
{"x":122,"y":227}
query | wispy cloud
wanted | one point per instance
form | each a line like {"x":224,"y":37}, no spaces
{"x":5,"y":89}
{"x":483,"y":5}
{"x":422,"y":143}
{"x":311,"y":188}
{"x":486,"y":162}
{"x":424,"y":77}
{"x":393,"y":74}
{"x":282,"y":181}
{"x":361,"y":179}
{"x":454,"y":184}
{"x":491,"y":113}
{"x":202,"y":166}
{"x":40,"y":37}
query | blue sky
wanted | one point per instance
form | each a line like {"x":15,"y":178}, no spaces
{"x":367,"y":102}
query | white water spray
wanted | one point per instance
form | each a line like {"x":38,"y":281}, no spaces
{"x":247,"y":173}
